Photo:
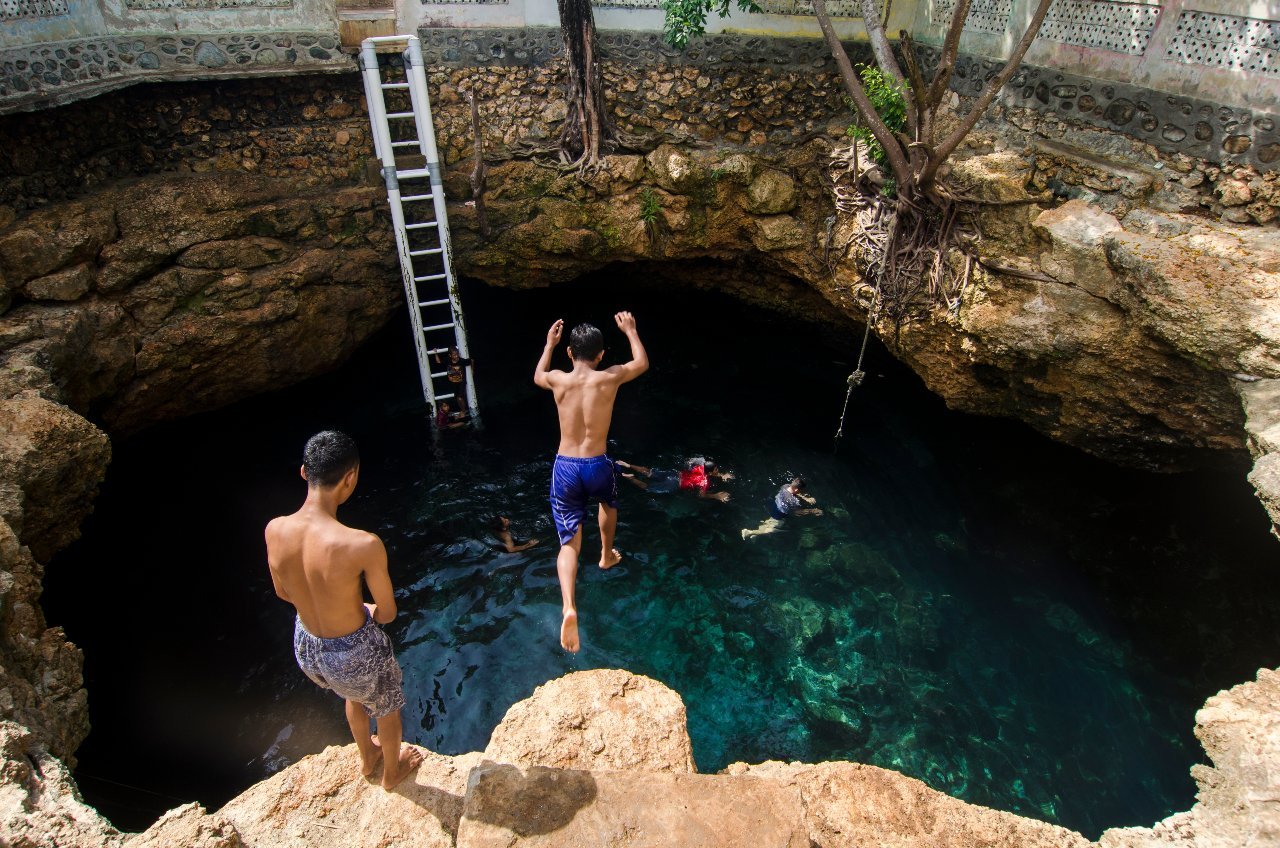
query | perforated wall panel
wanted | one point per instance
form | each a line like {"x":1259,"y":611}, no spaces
{"x":984,"y":15}
{"x":835,"y":8}
{"x":144,"y":5}
{"x":14,"y":9}
{"x":1105,"y":24}
{"x":1251,"y":45}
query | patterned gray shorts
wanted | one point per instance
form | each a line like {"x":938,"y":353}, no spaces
{"x":360,"y":666}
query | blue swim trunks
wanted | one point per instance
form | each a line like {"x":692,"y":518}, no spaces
{"x":360,"y":666}
{"x":575,"y":482}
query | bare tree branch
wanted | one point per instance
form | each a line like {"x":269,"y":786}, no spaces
{"x":880,"y":46}
{"x":921,"y":111}
{"x":892,"y":149}
{"x":947,"y":61}
{"x":952,"y":141}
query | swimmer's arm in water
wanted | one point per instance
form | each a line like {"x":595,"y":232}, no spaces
{"x":542,"y":372}
{"x":807,"y":512}
{"x":810,"y":501}
{"x":723,"y":497}
{"x":373,"y":555}
{"x":639,"y":363}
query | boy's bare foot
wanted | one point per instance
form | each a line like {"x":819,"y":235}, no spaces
{"x":410,"y":759}
{"x":369,"y":761}
{"x":611,"y":559}
{"x":569,"y":632}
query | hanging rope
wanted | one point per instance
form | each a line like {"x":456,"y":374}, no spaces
{"x":855,"y":379}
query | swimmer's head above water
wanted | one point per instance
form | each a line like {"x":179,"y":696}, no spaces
{"x":330,"y":459}
{"x":586,"y":343}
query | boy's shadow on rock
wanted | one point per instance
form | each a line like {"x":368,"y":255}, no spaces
{"x":534,"y":801}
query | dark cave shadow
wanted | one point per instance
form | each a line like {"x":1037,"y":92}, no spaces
{"x":535,"y":801}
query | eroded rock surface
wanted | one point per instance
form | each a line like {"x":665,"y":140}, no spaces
{"x":40,"y":806}
{"x":601,"y":720}
{"x":150,"y":300}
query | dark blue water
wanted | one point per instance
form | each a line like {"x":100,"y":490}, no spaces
{"x":1006,"y":619}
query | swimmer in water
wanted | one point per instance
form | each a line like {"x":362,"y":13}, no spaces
{"x":502,"y":530}
{"x":321,"y":566}
{"x":786,"y":503}
{"x":696,"y":476}
{"x":582,"y":473}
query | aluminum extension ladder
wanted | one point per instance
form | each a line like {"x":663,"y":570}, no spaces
{"x":421,"y":230}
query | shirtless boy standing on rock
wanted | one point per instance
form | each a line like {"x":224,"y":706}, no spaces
{"x":582,"y":472}
{"x":318,"y":564}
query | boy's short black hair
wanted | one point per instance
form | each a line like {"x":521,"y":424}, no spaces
{"x":798,"y":482}
{"x":587,"y":342}
{"x":328,"y":456}
{"x":498,"y":522}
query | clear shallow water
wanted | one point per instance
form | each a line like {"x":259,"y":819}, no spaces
{"x":1008,"y":620}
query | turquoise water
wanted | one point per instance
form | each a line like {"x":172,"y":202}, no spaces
{"x":1006,"y":619}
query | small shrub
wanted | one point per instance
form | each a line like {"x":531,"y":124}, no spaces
{"x":890,"y":103}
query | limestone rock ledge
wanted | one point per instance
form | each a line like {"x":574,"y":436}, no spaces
{"x":476,"y":801}
{"x":154,"y":299}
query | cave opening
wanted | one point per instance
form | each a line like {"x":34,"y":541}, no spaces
{"x":1005,"y":618}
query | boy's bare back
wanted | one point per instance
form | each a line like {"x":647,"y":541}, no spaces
{"x":318,"y":564}
{"x":585,"y":396}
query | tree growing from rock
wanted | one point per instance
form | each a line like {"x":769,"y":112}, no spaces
{"x":905,"y":236}
{"x":587,"y":130}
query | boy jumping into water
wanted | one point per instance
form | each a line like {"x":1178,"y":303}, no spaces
{"x":582,"y":472}
{"x":318,"y":564}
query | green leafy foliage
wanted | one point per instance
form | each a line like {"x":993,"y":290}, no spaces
{"x":687,"y":19}
{"x":650,"y":206}
{"x":888,"y":96}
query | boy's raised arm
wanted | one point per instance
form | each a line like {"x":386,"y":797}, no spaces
{"x":639,"y":358}
{"x":543,"y":368}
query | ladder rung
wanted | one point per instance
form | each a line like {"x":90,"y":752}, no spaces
{"x":438,"y":327}
{"x":416,"y":197}
{"x":432,"y":252}
{"x":413,"y":174}
{"x":424,"y":304}
{"x":413,"y":143}
{"x":440,"y":374}
{"x":446,"y":397}
{"x":395,"y":85}
{"x":438,"y":350}
{"x":421,"y":226}
{"x":429,"y":278}
{"x":392,"y":115}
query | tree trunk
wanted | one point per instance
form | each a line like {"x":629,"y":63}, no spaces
{"x":587,"y":130}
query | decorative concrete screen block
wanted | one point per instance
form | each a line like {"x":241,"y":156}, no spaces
{"x":148,"y":5}
{"x":474,"y":3}
{"x":629,"y":4}
{"x":1105,"y":24}
{"x":835,"y":8}
{"x":984,"y":15}
{"x":14,"y":9}
{"x":1251,"y":45}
